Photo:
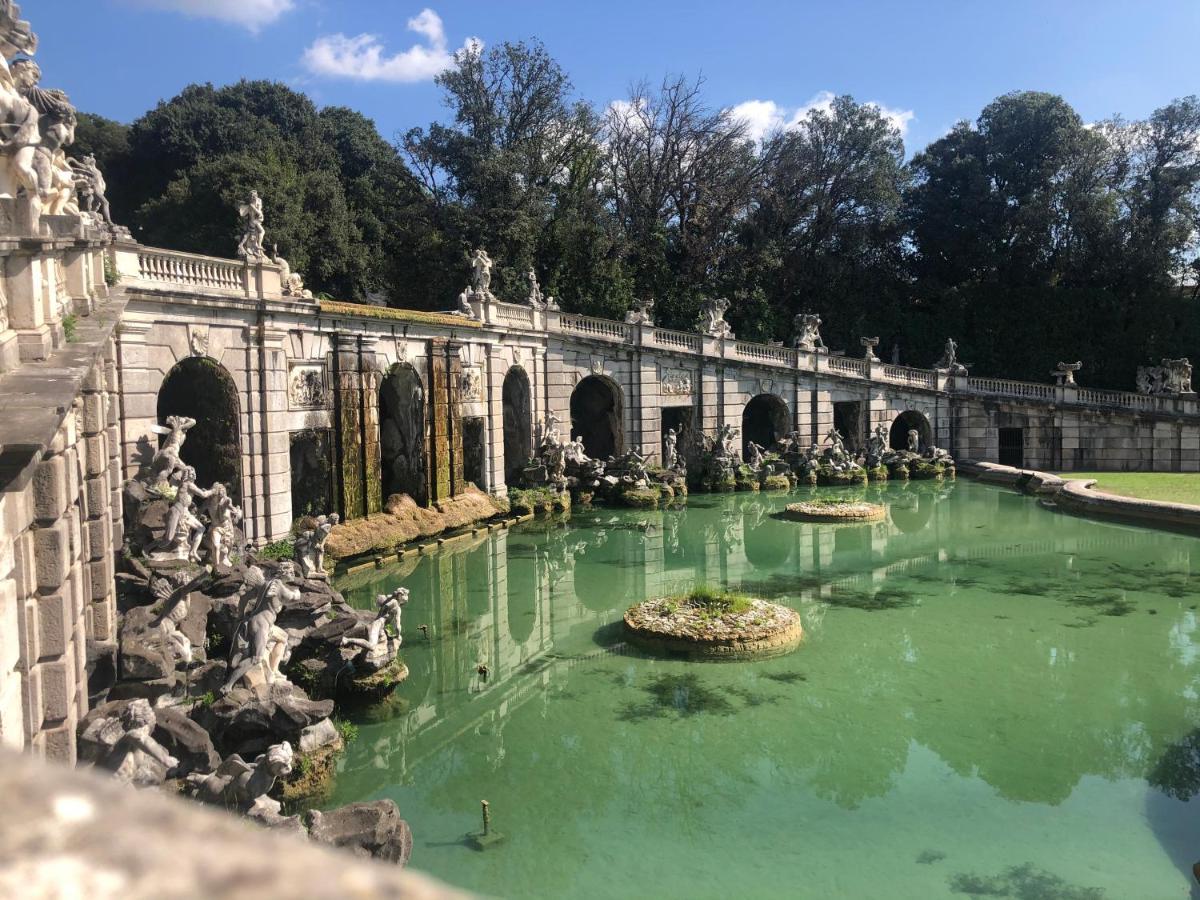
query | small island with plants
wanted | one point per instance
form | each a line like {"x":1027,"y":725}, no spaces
{"x":712,"y":624}
{"x":833,"y":510}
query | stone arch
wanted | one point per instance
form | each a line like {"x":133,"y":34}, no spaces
{"x":906,"y":421}
{"x":596,"y":414}
{"x":202,"y":389}
{"x":517,"y":397}
{"x":402,"y":428}
{"x":765,"y":419}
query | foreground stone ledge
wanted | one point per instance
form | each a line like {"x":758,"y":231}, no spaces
{"x":65,"y":832}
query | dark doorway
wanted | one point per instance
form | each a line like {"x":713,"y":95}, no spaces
{"x":402,"y":434}
{"x":473,"y":450}
{"x":908,"y":421}
{"x":764,"y":421}
{"x":848,"y":418}
{"x":201,"y":389}
{"x":596,"y":417}
{"x":312,"y":472}
{"x":679,"y":418}
{"x":1012,"y":447}
{"x":518,"y":423}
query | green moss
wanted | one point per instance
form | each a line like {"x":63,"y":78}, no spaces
{"x":70,"y":324}
{"x":879,"y":473}
{"x":776,"y":483}
{"x":639,"y":498}
{"x":538,"y":501}
{"x":111,"y":276}
{"x":715,"y":602}
{"x":923,"y":469}
{"x":284,"y":549}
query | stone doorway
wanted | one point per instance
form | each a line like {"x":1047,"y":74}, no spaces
{"x":402,"y":435}
{"x":474,"y":451}
{"x":1012,"y":447}
{"x":312,"y":472}
{"x":765,"y":420}
{"x":518,"y":423}
{"x":201,"y":389}
{"x":680,"y":418}
{"x":906,"y":422}
{"x":849,"y":418}
{"x":596,"y":411}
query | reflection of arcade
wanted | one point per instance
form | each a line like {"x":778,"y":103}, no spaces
{"x":520,"y":604}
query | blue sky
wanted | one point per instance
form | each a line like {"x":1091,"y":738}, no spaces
{"x":928,"y":63}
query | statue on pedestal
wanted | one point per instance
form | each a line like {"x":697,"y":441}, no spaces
{"x":166,"y":463}
{"x":19,"y":136}
{"x":90,"y":189}
{"x":914,"y":441}
{"x":250,"y":248}
{"x":536,"y":300}
{"x":56,"y":126}
{"x":712,"y":319}
{"x":309,"y":551}
{"x":949,"y":361}
{"x":1064,"y":373}
{"x":808,"y":332}
{"x":869,"y":344}
{"x":183,"y":530}
{"x":258,"y":641}
{"x":223,"y":517}
{"x":642,"y":312}
{"x":377,"y":643}
{"x":481,"y":273}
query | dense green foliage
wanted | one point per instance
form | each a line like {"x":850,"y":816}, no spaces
{"x":1028,"y":235}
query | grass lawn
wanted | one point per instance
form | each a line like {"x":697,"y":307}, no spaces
{"x":1171,"y":486}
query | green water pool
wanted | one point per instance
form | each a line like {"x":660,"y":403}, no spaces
{"x":992,"y":699}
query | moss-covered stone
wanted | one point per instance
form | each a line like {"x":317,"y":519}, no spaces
{"x":639,"y":498}
{"x":830,"y":476}
{"x":879,"y":473}
{"x":776,"y":483}
{"x":310,"y":782}
{"x":924,"y":469}
{"x":539,"y":501}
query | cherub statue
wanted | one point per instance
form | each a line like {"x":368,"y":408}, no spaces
{"x":258,"y":641}
{"x":166,"y":462}
{"x":550,"y":433}
{"x":244,"y":786}
{"x":90,"y":188}
{"x":223,"y":517}
{"x":390,"y":607}
{"x":837,"y":444}
{"x":20,"y":135}
{"x":481,"y":272}
{"x":808,"y":332}
{"x":253,"y":231}
{"x":309,"y":552}
{"x":183,"y":530}
{"x":134,"y":755}
{"x":56,"y":126}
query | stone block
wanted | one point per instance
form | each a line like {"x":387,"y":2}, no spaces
{"x":55,"y":621}
{"x":96,"y":493}
{"x":52,"y":555}
{"x":58,"y":689}
{"x":50,"y":488}
{"x":100,"y":578}
{"x":95,"y":454}
{"x":95,"y":413}
{"x":58,"y":743}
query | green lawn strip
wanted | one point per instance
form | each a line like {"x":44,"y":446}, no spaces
{"x":1171,"y":487}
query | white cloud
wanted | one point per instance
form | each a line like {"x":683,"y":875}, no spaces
{"x":362,"y":57}
{"x":764,"y":117}
{"x":251,"y":14}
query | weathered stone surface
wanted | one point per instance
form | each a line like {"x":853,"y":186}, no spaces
{"x":318,"y":735}
{"x":248,"y":722}
{"x":368,"y":829}
{"x":144,"y":653}
{"x":154,"y":846}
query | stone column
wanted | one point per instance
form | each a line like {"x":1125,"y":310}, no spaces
{"x":139,"y":402}
{"x":495,"y":369}
{"x":444,"y":460}
{"x":349,"y":469}
{"x":272,"y":408}
{"x":37,"y":323}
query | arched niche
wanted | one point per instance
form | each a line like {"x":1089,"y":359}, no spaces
{"x":765,"y":419}
{"x":200,"y":388}
{"x":517,"y":400}
{"x":596,"y":414}
{"x":403,"y":465}
{"x":905,"y":422}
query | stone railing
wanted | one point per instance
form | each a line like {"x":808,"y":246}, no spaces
{"x":846,"y":365}
{"x":678,"y":340}
{"x":588,"y":326}
{"x":766,"y":353}
{"x":513,"y":314}
{"x":1126,"y":399}
{"x":1005,"y":388}
{"x":193,"y":270}
{"x":923,"y":378}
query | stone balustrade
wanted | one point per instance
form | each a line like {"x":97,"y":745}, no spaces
{"x":155,"y":267}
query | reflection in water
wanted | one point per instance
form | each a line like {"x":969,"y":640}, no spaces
{"x":990,"y":696}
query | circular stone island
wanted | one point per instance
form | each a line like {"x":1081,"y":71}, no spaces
{"x":834,"y":511}
{"x":714,"y":626}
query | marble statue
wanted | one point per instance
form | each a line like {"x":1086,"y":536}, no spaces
{"x":808,"y":332}
{"x":244,"y":786}
{"x":389,"y":609}
{"x":1171,"y":376}
{"x":183,"y":531}
{"x":536,"y":300}
{"x":133,"y":756}
{"x":836,"y":442}
{"x":712,"y":319}
{"x":642,"y":312}
{"x":223,"y":517}
{"x":755,"y":453}
{"x":869,"y":344}
{"x":56,"y":126}
{"x":877,"y":445}
{"x":574,"y":452}
{"x":1064,"y":373}
{"x":253,"y":231}
{"x":481,"y":273}
{"x":19,"y":136}
{"x":259,"y":642}
{"x":174,"y":596}
{"x":949,"y":361}
{"x":671,"y":450}
{"x":309,"y":551}
{"x":464,"y":303}
{"x":291,"y":283}
{"x":91,"y":188}
{"x":914,"y":441}
{"x":725,"y":437}
{"x":166,"y":464}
